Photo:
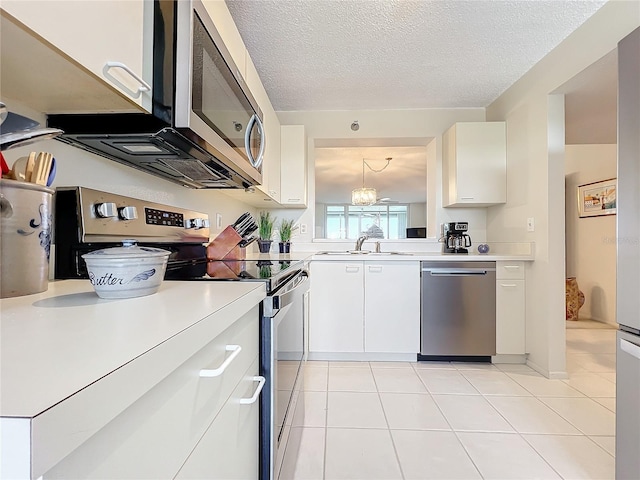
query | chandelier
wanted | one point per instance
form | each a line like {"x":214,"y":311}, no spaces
{"x":365,"y":196}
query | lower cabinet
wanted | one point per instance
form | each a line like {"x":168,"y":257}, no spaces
{"x":336,"y":307}
{"x":510,"y":308}
{"x":370,"y":307}
{"x":229,"y":447}
{"x":392,"y":307}
{"x":168,"y":430}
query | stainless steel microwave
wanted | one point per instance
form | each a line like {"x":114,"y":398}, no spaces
{"x":205,"y":128}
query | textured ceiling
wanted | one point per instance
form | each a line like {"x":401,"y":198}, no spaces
{"x":394,"y":54}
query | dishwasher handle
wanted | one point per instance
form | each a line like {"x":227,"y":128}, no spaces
{"x":448,"y":272}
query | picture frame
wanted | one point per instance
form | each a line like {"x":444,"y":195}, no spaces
{"x":597,"y":198}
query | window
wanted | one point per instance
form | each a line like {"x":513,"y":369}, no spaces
{"x":378,"y":221}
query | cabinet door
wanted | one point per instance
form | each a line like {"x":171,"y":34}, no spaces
{"x":293,"y":174}
{"x":229,"y":448}
{"x":392,"y":307}
{"x":153,"y":437}
{"x":94,"y":33}
{"x":510,"y":317}
{"x":475,"y":160}
{"x":336,"y":307}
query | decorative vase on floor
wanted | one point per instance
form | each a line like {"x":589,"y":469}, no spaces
{"x":574,"y":298}
{"x":264,"y":245}
{"x":285,"y":247}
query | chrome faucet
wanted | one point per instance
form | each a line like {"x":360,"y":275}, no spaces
{"x":360,"y":241}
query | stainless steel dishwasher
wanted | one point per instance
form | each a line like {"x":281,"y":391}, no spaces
{"x":458,"y":310}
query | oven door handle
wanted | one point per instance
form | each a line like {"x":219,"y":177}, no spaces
{"x":248,"y":401}
{"x":281,"y":301}
{"x":216,"y":372}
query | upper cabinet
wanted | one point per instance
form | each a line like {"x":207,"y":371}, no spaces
{"x":227,"y":29}
{"x":70,"y":28}
{"x":474,"y":164}
{"x":293,"y":157}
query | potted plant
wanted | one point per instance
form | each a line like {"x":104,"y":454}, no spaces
{"x":286,"y":228}
{"x":265,"y":230}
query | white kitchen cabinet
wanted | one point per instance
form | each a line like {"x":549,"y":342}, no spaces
{"x":293,"y":168}
{"x":92,"y":34}
{"x":223,"y":21}
{"x":229,"y":447}
{"x":392,"y":307}
{"x":336,"y":307}
{"x":510,"y":308}
{"x":474,"y":171}
{"x":365,"y":307}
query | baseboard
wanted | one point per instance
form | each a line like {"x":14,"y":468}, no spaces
{"x":509,"y":358}
{"x":362,"y":357}
{"x":550,"y":375}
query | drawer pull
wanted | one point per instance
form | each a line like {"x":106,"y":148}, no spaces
{"x":216,"y":372}
{"x":256,"y":394}
{"x":512,"y":267}
{"x":508,"y":285}
{"x":352,"y":269}
{"x":375,"y":269}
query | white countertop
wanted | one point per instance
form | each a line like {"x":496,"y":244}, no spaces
{"x":57,"y":342}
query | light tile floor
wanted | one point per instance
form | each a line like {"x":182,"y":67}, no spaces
{"x":381,"y":420}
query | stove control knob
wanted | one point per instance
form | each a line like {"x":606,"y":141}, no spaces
{"x":128,"y":213}
{"x":106,"y":209}
{"x":197,"y":223}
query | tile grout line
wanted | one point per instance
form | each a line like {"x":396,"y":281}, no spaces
{"x":326,"y":425}
{"x":450,"y":426}
{"x":384,"y":413}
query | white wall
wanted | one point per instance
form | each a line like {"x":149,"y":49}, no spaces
{"x":535,"y":173}
{"x":590,"y":242}
{"x":427,"y":123}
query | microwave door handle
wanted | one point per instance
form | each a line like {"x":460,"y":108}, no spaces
{"x":255,"y":161}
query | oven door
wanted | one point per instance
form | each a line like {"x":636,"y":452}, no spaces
{"x":212,"y":99}
{"x":282,"y":352}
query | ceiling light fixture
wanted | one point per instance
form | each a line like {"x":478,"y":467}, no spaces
{"x":366,"y":196}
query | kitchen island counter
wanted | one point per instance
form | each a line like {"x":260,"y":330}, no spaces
{"x":72,"y":362}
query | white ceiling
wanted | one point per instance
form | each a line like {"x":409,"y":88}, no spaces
{"x":395,"y":54}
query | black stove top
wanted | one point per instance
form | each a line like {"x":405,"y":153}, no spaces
{"x":273,"y":272}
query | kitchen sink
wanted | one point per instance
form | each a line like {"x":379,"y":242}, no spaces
{"x":361,"y":252}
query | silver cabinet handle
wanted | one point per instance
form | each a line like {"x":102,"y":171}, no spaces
{"x":467,"y":198}
{"x":511,"y":267}
{"x":256,"y":394}
{"x":257,"y":161}
{"x":375,"y":269}
{"x":630,"y":348}
{"x":508,"y":285}
{"x":352,"y":268}
{"x":216,"y":372}
{"x":144,"y":86}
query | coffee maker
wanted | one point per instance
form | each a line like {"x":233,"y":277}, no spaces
{"x":455,"y":238}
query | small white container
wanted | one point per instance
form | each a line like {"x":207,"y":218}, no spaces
{"x":128,"y":271}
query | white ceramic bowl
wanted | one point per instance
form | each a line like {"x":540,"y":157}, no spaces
{"x":126,"y":272}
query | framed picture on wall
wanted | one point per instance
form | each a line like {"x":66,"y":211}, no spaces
{"x":597,"y":198}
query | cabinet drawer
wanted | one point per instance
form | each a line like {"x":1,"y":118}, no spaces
{"x":229,"y":447}
{"x":153,"y":436}
{"x":510,"y":270}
